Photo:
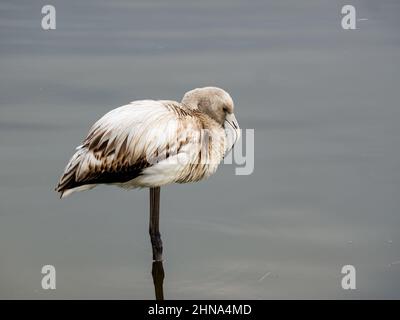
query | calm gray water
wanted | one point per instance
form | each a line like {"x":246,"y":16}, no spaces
{"x":324,"y":103}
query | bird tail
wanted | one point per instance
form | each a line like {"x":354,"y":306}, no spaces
{"x":67,"y":182}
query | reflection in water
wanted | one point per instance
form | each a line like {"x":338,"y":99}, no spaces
{"x":157,"y":272}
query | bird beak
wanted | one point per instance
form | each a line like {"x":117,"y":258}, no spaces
{"x":232,"y":130}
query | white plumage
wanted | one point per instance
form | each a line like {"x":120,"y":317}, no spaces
{"x":150,"y":143}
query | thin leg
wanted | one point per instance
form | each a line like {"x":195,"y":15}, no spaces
{"x":154,"y":231}
{"x":157,"y":272}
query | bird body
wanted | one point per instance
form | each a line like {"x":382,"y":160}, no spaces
{"x":151,"y":143}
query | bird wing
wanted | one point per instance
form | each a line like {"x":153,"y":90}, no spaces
{"x":127,"y":140}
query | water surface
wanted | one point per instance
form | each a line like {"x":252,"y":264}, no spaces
{"x":324,"y":104}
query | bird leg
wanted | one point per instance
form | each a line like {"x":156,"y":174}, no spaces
{"x":157,"y":272}
{"x":154,"y":231}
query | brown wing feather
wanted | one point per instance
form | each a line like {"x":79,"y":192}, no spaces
{"x":114,"y":149}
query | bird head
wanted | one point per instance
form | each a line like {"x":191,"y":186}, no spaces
{"x":218,"y":105}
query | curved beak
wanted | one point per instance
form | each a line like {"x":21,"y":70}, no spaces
{"x":232,"y":131}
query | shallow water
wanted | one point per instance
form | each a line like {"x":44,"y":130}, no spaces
{"x":324,"y":103}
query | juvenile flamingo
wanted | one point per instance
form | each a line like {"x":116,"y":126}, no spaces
{"x":149,"y":143}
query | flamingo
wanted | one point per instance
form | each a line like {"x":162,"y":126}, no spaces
{"x":152,"y":143}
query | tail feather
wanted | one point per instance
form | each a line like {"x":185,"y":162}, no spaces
{"x":68,"y":179}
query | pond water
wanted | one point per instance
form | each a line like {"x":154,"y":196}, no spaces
{"x":324,"y":104}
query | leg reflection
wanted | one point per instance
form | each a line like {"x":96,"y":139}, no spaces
{"x":157,"y":272}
